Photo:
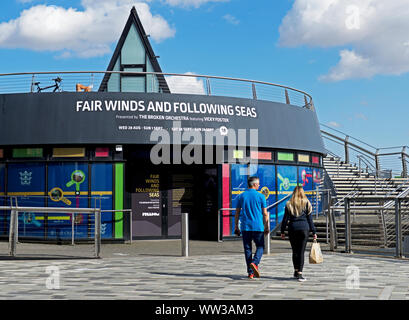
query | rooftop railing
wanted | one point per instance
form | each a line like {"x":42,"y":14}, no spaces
{"x":98,"y":81}
{"x":385,"y":162}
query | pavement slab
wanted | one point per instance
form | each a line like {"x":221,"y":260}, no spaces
{"x":213,"y":271}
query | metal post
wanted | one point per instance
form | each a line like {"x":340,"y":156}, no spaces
{"x":404,"y":165}
{"x":316,"y":202}
{"x":331,"y":225}
{"x":398,"y":229}
{"x":97,"y":232}
{"x":253,"y":88}
{"x":353,"y":219}
{"x":347,"y":226}
{"x":346,"y":149}
{"x":13,"y":233}
{"x":72,"y":228}
{"x":287,"y":98}
{"x":377,"y":165}
{"x":209,"y":92}
{"x":32,"y":83}
{"x":326,"y":226}
{"x":219,"y":222}
{"x":306,"y":102}
{"x":185,"y":234}
{"x":130,"y":227}
{"x":267,"y":242}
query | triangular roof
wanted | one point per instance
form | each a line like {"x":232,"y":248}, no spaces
{"x":134,"y":19}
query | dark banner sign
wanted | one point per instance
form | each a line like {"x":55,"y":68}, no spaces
{"x":133,"y":118}
{"x":147,"y":214}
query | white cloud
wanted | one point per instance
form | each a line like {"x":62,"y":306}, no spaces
{"x":231,"y":19}
{"x":334,"y":124}
{"x":86,"y":33}
{"x":190,"y":3}
{"x":186,"y":84}
{"x":373,"y":34}
{"x":361,"y":116}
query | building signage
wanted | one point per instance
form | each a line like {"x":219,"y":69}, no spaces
{"x":131,"y":118}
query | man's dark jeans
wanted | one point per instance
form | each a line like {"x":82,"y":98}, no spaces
{"x":258,"y":238}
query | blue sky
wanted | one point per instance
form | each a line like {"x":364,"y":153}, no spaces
{"x":352,"y":56}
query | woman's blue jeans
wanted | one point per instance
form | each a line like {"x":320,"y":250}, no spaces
{"x":258,"y":238}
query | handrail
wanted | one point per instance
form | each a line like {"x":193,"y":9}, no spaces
{"x":308,"y":104}
{"x":13,"y":229}
{"x":347,"y":135}
{"x":361,"y":157}
{"x":374,"y":155}
{"x":278,"y":202}
{"x":349,"y":143}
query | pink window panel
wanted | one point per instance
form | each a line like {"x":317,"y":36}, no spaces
{"x":101,"y":152}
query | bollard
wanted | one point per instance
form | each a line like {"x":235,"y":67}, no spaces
{"x":267,"y":243}
{"x":13,"y":233}
{"x":219,"y":222}
{"x":398,"y":229}
{"x":348,"y":236}
{"x":97,"y":233}
{"x":72,"y":228}
{"x":185,"y":234}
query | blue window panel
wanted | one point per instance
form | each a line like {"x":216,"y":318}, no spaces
{"x":114,"y":79}
{"x":26,"y":182}
{"x":267,"y":176}
{"x":286,"y":183}
{"x":101,"y":181}
{"x":2,"y":181}
{"x":305,"y":180}
{"x":133,"y":84}
{"x":152,"y":83}
{"x":239,"y":175}
{"x":72,"y":180}
{"x":3,"y":214}
{"x":317,"y":176}
{"x":133,"y":50}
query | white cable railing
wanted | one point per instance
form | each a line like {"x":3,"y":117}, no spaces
{"x":387,"y":162}
{"x":97,"y":81}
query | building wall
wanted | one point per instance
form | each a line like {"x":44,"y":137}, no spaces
{"x":278,"y":178}
{"x":49,"y":180}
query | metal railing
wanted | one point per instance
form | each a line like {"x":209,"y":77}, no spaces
{"x":154,"y":82}
{"x":15,"y":210}
{"x":385,"y":162}
{"x":397,"y":223}
{"x":325,"y":209}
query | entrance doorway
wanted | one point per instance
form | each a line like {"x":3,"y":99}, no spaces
{"x":160,"y":194}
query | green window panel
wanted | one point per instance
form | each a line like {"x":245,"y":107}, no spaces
{"x":133,"y":51}
{"x":152,"y":83}
{"x":28,"y":153}
{"x":285,"y":156}
{"x":114,"y":79}
{"x":119,"y":200}
{"x":132,"y":84}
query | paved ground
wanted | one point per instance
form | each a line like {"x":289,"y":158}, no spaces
{"x":155,"y":270}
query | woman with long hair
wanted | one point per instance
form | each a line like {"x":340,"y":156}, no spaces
{"x":299,"y":219}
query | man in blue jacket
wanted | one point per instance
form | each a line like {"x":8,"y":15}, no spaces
{"x":252,"y":214}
